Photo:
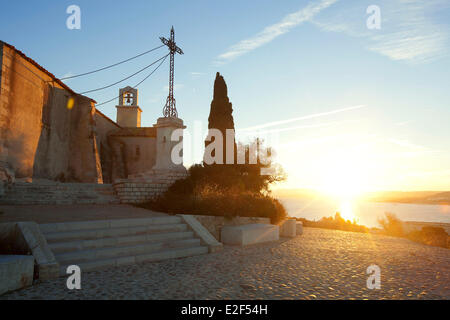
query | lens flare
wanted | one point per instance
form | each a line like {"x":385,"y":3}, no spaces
{"x":70,"y":103}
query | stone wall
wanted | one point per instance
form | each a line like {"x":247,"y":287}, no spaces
{"x":215,"y":224}
{"x":46,"y":130}
{"x":104,"y":126}
{"x":138,"y":191}
{"x":145,"y":187}
{"x":139,"y":153}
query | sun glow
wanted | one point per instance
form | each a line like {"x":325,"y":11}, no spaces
{"x":345,"y":177}
{"x":346,"y":210}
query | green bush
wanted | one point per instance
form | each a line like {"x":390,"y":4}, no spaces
{"x":221,"y":190}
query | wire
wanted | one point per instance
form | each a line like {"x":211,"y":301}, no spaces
{"x":163,"y":59}
{"x":110,"y":66}
{"x":119,"y":96}
{"x":22,"y":76}
{"x":109,"y":86}
{"x":18,"y":61}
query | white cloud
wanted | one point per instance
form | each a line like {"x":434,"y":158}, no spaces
{"x":409,"y":29}
{"x":311,"y":116}
{"x":271,"y":32}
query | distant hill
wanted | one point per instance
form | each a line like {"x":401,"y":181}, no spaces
{"x":418,"y":197}
{"x":441,"y":196}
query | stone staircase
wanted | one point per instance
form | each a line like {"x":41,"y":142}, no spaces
{"x":95,"y":245}
{"x":23,"y":193}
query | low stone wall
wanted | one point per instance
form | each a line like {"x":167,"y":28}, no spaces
{"x":25,"y":238}
{"x":148,"y":186}
{"x":215,"y":224}
{"x":138,"y":191}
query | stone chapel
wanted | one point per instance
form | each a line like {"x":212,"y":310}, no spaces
{"x":49,"y":133}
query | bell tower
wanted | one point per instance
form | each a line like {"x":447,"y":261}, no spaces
{"x":128,"y":111}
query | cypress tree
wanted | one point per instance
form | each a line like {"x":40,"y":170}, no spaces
{"x":221,"y":113}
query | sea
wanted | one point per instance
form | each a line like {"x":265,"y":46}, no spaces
{"x":364,"y":212}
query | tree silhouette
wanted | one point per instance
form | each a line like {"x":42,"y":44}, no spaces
{"x":221,"y":113}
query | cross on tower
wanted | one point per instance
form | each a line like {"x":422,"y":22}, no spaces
{"x":170,"y":109}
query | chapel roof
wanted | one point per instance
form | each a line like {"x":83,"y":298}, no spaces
{"x":37,"y":65}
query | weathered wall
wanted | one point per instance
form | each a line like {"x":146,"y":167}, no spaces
{"x":129,"y":116}
{"x":139,"y":153}
{"x":40,"y":135}
{"x":215,"y":224}
{"x":104,"y":126}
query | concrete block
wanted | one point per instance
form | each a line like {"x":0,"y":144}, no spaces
{"x":206,"y":238}
{"x":16,"y":272}
{"x":249,"y":234}
{"x":26,"y":238}
{"x":299,"y":228}
{"x":288,"y":228}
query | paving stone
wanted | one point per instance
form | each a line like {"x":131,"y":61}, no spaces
{"x":318,"y":265}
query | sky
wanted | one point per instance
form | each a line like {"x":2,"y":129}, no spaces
{"x":368,"y":108}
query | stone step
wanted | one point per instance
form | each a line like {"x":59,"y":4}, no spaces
{"x":19,"y":184}
{"x":76,"y":257}
{"x":41,"y":194}
{"x":130,"y":259}
{"x":22,"y":193}
{"x":55,"y":202}
{"x":108,"y":243}
{"x":29,"y":193}
{"x":160,"y":235}
{"x":64,"y":191}
{"x":58,"y":198}
{"x":112,"y":232}
{"x":55,"y":189}
{"x":107,"y":224}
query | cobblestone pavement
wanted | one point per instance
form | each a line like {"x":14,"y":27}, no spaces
{"x":321,"y":264}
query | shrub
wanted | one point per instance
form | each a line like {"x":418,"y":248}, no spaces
{"x":335,"y":223}
{"x":433,"y":236}
{"x":221,"y":190}
{"x":391,"y":225}
{"x":210,"y":201}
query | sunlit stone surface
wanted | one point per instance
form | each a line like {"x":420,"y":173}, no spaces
{"x":249,"y":234}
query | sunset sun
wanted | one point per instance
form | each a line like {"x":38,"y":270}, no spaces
{"x":345,"y":177}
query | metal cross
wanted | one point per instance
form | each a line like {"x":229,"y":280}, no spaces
{"x":170,"y":109}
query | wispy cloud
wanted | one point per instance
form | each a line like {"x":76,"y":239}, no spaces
{"x":409,"y":30}
{"x":311,"y":126}
{"x":271,"y":32}
{"x":197,"y":73}
{"x":311,"y":116}
{"x":407,"y":144}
